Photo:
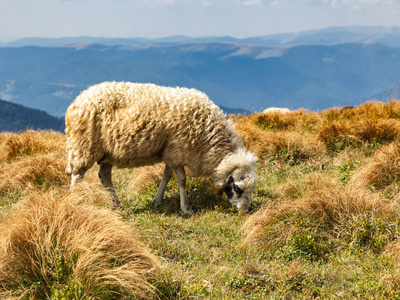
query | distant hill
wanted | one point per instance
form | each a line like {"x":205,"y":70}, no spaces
{"x":14,"y":118}
{"x":389,"y":36}
{"x":238,"y":76}
{"x":322,"y":69}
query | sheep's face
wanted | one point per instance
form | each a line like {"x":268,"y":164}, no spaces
{"x":239,"y":192}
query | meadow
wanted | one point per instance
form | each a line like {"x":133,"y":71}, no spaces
{"x":324,"y":222}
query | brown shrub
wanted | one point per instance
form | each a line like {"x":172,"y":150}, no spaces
{"x":382,"y":170}
{"x":58,"y":247}
{"x":323,"y":221}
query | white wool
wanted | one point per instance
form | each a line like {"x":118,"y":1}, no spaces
{"x":282,"y":110}
{"x":131,"y":124}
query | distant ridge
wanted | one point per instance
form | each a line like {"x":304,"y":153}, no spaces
{"x":315,"y":70}
{"x":389,"y":36}
{"x":15,"y":118}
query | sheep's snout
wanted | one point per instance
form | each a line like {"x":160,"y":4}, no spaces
{"x":243,"y":205}
{"x":236,"y":195}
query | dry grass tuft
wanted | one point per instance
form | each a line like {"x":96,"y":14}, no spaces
{"x":366,"y":111}
{"x":300,"y":120}
{"x":14,"y":146}
{"x":32,"y":159}
{"x":56,"y":247}
{"x":289,"y":146}
{"x":144,"y":177}
{"x":293,"y":147}
{"x":337,"y":135}
{"x":322,"y":222}
{"x":382,"y":171}
{"x":41,"y":171}
{"x":294,"y":189}
{"x":285,"y":137}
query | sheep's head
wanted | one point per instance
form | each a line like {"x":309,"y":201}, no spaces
{"x":236,"y":178}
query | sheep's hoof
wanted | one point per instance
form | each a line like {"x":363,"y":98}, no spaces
{"x":115,"y":204}
{"x":188,"y":212}
{"x":157,"y":202}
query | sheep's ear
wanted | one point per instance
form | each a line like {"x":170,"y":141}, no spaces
{"x":222,"y":184}
{"x":229,"y":180}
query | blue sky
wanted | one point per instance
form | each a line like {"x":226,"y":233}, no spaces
{"x":160,"y":18}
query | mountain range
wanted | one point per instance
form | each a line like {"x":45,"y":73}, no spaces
{"x":389,"y":36}
{"x":313,"y":70}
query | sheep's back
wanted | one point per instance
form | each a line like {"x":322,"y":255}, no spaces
{"x":139,"y":120}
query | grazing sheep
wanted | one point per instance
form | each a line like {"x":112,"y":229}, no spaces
{"x":131,"y":125}
{"x":276,"y":110}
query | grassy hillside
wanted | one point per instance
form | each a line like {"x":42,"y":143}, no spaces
{"x":324,"y":220}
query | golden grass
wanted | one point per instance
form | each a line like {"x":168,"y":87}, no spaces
{"x":313,"y":208}
{"x":366,"y":111}
{"x":336,"y":128}
{"x":300,"y":120}
{"x":59,"y":247}
{"x":15,"y":146}
{"x":323,"y":221}
{"x":144,"y":177}
{"x":296,"y":188}
{"x":337,"y":135}
{"x":382,"y":170}
{"x":284,"y":145}
{"x":32,"y":159}
{"x":43,"y":171}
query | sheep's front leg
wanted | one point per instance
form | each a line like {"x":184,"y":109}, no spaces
{"x":163,"y":185}
{"x":181,"y":178}
{"x":106,"y":180}
{"x":75,"y":178}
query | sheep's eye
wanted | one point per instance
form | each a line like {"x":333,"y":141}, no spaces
{"x":237,"y":189}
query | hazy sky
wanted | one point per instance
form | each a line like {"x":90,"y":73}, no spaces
{"x":160,"y":18}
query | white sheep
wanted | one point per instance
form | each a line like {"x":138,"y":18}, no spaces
{"x":282,"y":110}
{"x":130,"y":125}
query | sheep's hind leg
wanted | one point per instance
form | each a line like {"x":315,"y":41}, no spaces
{"x":106,"y":180}
{"x":163,"y":185}
{"x":181,"y":178}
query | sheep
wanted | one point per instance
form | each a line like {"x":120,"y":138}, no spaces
{"x":282,"y":110}
{"x":130,"y":125}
